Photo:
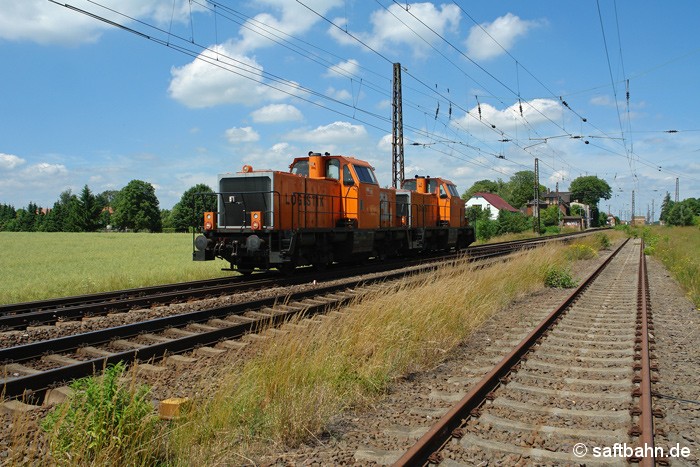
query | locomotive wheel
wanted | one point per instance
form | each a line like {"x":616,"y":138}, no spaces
{"x":245,"y":272}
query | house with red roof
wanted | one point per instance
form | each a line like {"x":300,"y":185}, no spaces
{"x":490,"y":201}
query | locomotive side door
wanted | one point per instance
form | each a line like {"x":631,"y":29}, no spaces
{"x":349,"y":192}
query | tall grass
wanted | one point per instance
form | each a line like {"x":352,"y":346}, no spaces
{"x":677,"y":248}
{"x":107,"y":421}
{"x":41,"y":265}
{"x":299,"y":381}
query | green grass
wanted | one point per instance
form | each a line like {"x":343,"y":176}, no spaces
{"x":40,"y":265}
{"x":107,"y":421}
{"x":677,"y":248}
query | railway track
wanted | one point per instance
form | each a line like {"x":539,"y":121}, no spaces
{"x":31,"y":369}
{"x":49,"y":312}
{"x":579,"y":383}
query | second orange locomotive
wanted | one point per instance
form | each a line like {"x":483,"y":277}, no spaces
{"x":327,"y":208}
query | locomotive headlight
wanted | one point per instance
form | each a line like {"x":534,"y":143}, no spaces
{"x":201,"y":242}
{"x":256,"y":216}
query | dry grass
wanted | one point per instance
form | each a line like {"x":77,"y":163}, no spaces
{"x":677,"y":248}
{"x":289,"y":392}
{"x":300,"y":380}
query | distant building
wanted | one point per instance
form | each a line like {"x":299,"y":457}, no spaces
{"x":639,"y":220}
{"x":490,"y":201}
{"x":575,"y":222}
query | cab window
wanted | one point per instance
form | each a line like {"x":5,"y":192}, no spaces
{"x":347,"y":176}
{"x":409,"y":185}
{"x":453,"y":190}
{"x":432,"y":186}
{"x":301,"y":168}
{"x":442,"y":192}
{"x":365,"y":174}
{"x":333,"y":169}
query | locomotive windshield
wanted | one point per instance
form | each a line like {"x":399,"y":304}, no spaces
{"x":365,"y":174}
{"x":301,"y":168}
{"x":410,"y":184}
{"x":453,"y":190}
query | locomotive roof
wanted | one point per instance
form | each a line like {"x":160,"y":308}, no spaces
{"x":349,"y":159}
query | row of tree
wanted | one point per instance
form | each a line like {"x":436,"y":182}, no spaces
{"x":135,"y":208}
{"x":519,"y":190}
{"x":683,"y":212}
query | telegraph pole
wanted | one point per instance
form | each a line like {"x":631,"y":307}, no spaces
{"x":397,"y":170}
{"x":676,"y":200}
{"x":536,"y":207}
{"x":632,"y":216}
{"x":652,"y":211}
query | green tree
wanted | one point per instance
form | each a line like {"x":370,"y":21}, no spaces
{"x":87,"y":211}
{"x":475,"y":213}
{"x":590,"y":189}
{"x":483,"y":186}
{"x":682,"y":213}
{"x":136,"y":207}
{"x":520,"y":189}
{"x":166,"y":220}
{"x":7,"y":214}
{"x":512,"y":222}
{"x":666,"y":206}
{"x":549,"y":216}
{"x":189,"y":211}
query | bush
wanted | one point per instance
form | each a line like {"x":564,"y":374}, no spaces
{"x":559,"y":277}
{"x":602,"y":241}
{"x":104,"y":421}
{"x":579,"y":251}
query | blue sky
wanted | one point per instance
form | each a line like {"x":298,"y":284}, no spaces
{"x":217,"y":85}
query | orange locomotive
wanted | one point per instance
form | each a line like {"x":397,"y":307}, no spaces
{"x":327,"y":208}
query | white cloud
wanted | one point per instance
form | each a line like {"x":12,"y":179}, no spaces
{"x":276,"y":113}
{"x":10,"y":161}
{"x":219,"y":75}
{"x":242,"y":135}
{"x":503,"y":30}
{"x":334,"y":133}
{"x":388,"y":32}
{"x":343,"y":69}
{"x":339,"y":94}
{"x":45,"y":22}
{"x":45,"y":169}
{"x":535,"y":112}
{"x":294,"y":19}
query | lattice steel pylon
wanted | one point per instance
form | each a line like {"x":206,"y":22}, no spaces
{"x":536,"y":205}
{"x":397,"y":170}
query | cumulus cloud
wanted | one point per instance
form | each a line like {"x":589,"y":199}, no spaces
{"x":276,"y":113}
{"x":242,"y":135}
{"x":47,"y":23}
{"x":44,"y":169}
{"x":10,"y":161}
{"x":206,"y":81}
{"x":292,"y":18}
{"x":334,"y":133}
{"x":535,"y":112}
{"x":344,"y":69}
{"x":483,"y":41}
{"x":220,"y":75}
{"x":387,"y":32}
{"x":338,"y":94}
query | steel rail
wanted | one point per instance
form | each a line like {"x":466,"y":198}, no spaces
{"x":47,"y":312}
{"x":646,"y":416}
{"x":441,"y":432}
